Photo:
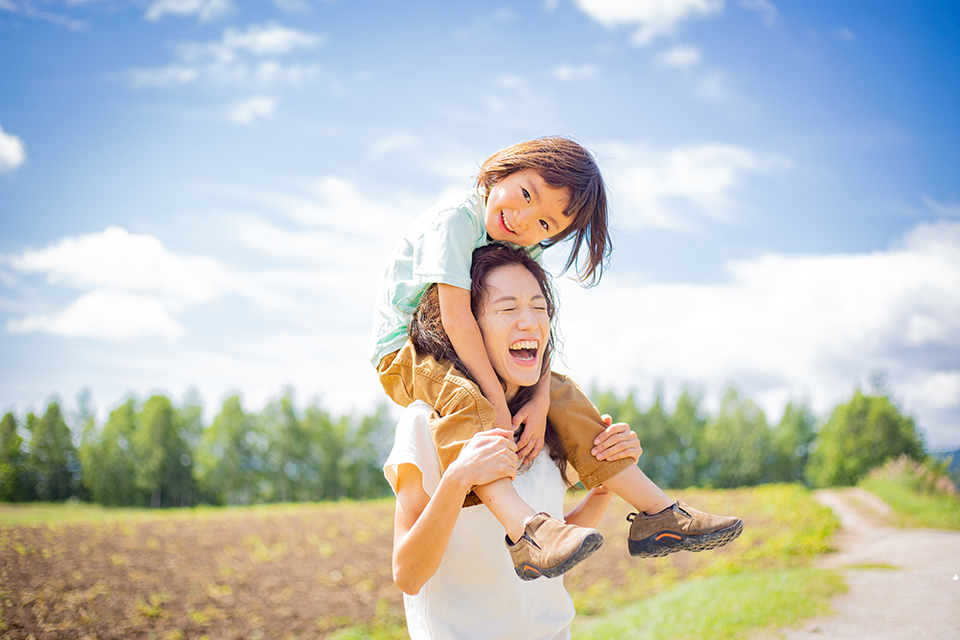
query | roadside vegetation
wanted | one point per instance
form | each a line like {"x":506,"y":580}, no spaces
{"x":921,"y":494}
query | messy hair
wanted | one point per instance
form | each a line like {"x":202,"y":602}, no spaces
{"x":562,"y":163}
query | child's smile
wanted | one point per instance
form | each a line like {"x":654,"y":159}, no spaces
{"x":524,"y":210}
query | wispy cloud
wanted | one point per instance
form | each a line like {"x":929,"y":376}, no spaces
{"x":951,"y":210}
{"x":13,"y":153}
{"x":652,"y":19}
{"x":679,"y":57}
{"x":673,"y":188}
{"x":248,"y":111}
{"x":574,"y":72}
{"x":787,"y":325}
{"x":844,"y":34}
{"x":28,"y":10}
{"x":765,"y":8}
{"x":241,"y":56}
{"x":204,"y":10}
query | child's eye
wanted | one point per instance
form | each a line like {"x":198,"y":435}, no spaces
{"x":546,"y":227}
{"x":526,"y":194}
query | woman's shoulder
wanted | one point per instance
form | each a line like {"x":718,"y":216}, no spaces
{"x":413,"y":444}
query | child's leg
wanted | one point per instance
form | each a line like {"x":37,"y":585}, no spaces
{"x":539,"y":545}
{"x":461,"y":410}
{"x":661,"y":525}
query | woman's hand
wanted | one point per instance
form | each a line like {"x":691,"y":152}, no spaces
{"x":488,"y":456}
{"x":616,"y":442}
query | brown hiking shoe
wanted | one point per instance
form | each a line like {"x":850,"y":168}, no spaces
{"x":679,"y":528}
{"x":550,"y":547}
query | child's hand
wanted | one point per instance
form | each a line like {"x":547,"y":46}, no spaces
{"x":616,"y":442}
{"x":533,"y":416}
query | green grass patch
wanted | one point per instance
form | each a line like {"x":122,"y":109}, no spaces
{"x":721,"y":607}
{"x":51,"y":514}
{"x":869,"y":566}
{"x":921,"y":496}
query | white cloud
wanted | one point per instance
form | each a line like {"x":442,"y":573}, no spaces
{"x":248,"y":111}
{"x":653,"y":17}
{"x":680,"y":57}
{"x":132,"y":285}
{"x":118,"y":260}
{"x":205,"y":10}
{"x":575,"y":72}
{"x":786,"y":326}
{"x":241,"y":56}
{"x":12,"y":151}
{"x":765,"y":8}
{"x":105,"y":315}
{"x":672,"y":188}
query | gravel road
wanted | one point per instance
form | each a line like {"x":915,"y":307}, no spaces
{"x":904,"y":583}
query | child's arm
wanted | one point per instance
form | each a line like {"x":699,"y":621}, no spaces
{"x":464,"y":333}
{"x":534,"y":415}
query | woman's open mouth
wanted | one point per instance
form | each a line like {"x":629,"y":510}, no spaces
{"x":525,"y":351}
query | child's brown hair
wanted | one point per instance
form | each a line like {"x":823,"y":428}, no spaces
{"x":562,"y":163}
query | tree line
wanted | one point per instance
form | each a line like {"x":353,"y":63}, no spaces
{"x":156,"y":454}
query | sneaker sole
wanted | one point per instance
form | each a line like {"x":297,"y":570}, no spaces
{"x":667,"y":542}
{"x":591,"y":543}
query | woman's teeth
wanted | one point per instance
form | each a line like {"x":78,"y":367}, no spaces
{"x":525,"y":349}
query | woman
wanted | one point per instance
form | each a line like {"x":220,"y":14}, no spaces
{"x":458,"y":579}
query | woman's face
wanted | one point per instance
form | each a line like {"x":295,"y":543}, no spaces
{"x":515,"y":326}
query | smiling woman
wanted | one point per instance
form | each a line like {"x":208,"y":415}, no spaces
{"x":454,"y":571}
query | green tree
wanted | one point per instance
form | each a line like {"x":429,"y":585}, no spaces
{"x":860,"y":435}
{"x":687,"y":424}
{"x":792,"y":440}
{"x":737,"y":444}
{"x":109,"y":461}
{"x":163,"y":460}
{"x":53,"y":456}
{"x":363,"y":469}
{"x":13,"y":485}
{"x":230,"y":458}
{"x":292,"y":459}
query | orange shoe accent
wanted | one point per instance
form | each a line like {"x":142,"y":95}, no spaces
{"x":669,"y":535}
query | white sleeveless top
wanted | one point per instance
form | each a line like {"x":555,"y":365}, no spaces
{"x":475,"y":593}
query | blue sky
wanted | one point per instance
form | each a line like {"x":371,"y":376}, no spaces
{"x":202,"y":193}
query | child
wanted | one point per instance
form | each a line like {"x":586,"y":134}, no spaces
{"x":533,"y":195}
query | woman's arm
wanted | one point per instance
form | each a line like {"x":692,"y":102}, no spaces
{"x":423,"y":524}
{"x":616,"y":442}
{"x":464,"y":333}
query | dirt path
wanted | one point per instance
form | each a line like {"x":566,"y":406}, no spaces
{"x":904,"y":583}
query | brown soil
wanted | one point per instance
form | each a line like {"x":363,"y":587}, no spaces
{"x":904,"y":583}
{"x":272,"y":573}
{"x":282,"y":572}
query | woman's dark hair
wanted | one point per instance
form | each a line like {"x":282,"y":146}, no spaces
{"x":563,"y":164}
{"x":429,"y":337}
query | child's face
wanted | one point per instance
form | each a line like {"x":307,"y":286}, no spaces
{"x":523,"y":210}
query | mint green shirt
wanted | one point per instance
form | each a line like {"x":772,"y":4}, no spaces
{"x":437,"y":247}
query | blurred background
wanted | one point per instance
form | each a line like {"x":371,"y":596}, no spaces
{"x":197,"y":197}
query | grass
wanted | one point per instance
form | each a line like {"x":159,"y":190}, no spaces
{"x":919,"y":495}
{"x":721,"y":607}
